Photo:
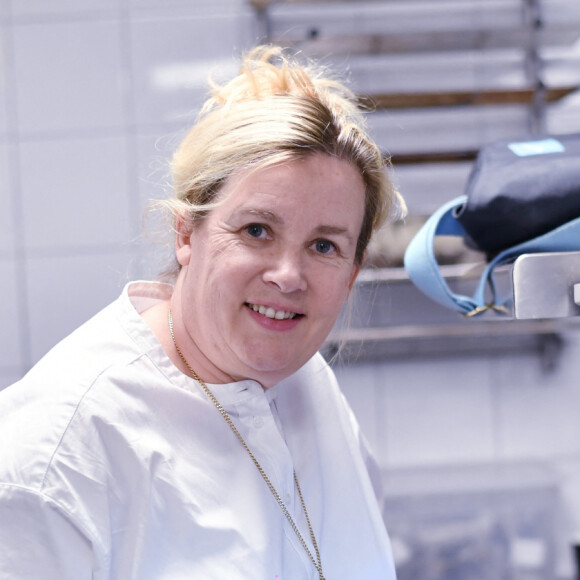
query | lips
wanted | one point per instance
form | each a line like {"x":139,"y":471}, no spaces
{"x":270,"y":312}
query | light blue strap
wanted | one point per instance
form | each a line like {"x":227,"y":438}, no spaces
{"x":565,"y":238}
{"x":423,"y":269}
{"x":422,"y":266}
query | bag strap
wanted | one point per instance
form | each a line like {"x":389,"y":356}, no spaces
{"x":423,"y":269}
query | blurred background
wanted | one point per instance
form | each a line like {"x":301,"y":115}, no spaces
{"x":475,"y":423}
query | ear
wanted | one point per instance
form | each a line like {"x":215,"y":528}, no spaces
{"x":353,"y":276}
{"x":182,"y":241}
{"x":355,"y":271}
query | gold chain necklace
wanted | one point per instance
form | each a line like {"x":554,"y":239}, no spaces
{"x":317,"y":563}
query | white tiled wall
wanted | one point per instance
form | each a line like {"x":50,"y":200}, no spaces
{"x":93,"y":97}
{"x":75,"y":193}
{"x":66,"y":289}
{"x":7,"y":230}
{"x":68,"y":76}
{"x":35,"y":8}
{"x":12,"y":351}
{"x":460,"y":410}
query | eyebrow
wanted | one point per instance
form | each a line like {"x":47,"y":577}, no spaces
{"x":266,"y":215}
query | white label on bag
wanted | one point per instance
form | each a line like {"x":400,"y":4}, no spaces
{"x":527,"y":148}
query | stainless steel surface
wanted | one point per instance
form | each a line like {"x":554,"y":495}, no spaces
{"x":544,"y":285}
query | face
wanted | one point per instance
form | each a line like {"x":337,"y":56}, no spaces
{"x":266,"y":274}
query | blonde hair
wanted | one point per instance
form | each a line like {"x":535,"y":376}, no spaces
{"x":274,"y":110}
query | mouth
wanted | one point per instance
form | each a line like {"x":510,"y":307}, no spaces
{"x":270,"y":312}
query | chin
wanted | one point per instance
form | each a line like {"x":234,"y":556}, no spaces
{"x":277,"y":367}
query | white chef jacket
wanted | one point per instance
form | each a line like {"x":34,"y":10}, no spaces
{"x":115,"y":465}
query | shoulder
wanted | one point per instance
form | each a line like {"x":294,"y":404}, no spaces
{"x":39,"y":412}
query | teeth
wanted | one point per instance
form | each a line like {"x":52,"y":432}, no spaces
{"x":271,"y":313}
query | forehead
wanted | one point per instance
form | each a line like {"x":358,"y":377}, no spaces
{"x":316,"y":182}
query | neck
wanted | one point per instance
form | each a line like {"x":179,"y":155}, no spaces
{"x":201,"y":369}
{"x":156,"y":318}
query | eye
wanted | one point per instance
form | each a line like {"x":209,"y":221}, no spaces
{"x":257,"y":231}
{"x":324,"y":247}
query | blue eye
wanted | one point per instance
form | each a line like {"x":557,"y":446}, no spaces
{"x":256,"y":230}
{"x":324,"y":246}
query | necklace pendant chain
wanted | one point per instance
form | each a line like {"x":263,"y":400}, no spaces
{"x":317,"y":562}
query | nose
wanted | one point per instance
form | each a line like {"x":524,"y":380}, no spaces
{"x":287,"y":272}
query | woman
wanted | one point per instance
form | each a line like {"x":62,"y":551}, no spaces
{"x":192,"y":431}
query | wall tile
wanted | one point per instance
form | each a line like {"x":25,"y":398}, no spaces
{"x":61,"y":7}
{"x":358,"y":383}
{"x":10,"y":321}
{"x":154,"y":151}
{"x":172,"y":60}
{"x":5,"y":84}
{"x":75,"y":193}
{"x":7,"y":378}
{"x":7,"y":232}
{"x":538,"y":411}
{"x":184,"y":7}
{"x":437,"y":411}
{"x":64,"y":292}
{"x":69,"y":76}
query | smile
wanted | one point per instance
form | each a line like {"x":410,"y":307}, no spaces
{"x":269,"y":312}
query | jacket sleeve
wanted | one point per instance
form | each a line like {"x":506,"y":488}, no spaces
{"x":38,"y":540}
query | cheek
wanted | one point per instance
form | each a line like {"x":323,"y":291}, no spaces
{"x":334,"y":291}
{"x":244,"y":259}
{"x":229,"y":269}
